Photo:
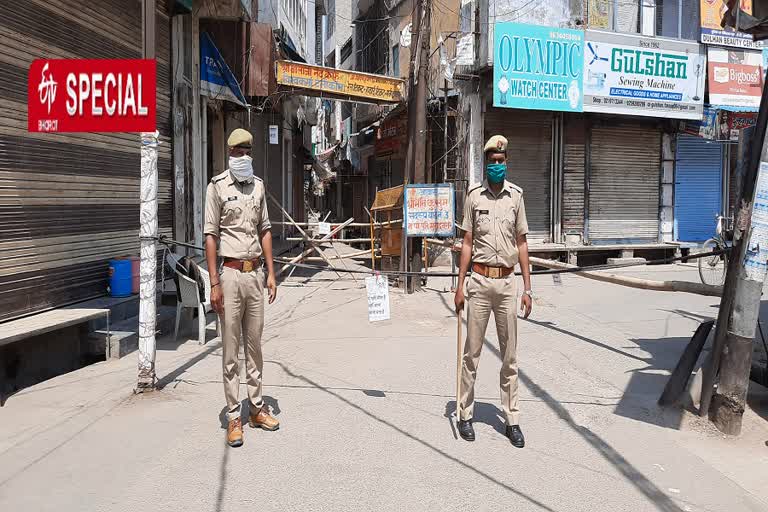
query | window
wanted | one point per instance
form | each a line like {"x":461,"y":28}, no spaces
{"x":670,"y":22}
{"x":395,"y":61}
{"x":615,"y":15}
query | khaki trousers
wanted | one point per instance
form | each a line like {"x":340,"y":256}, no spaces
{"x":486,"y":295}
{"x":243,"y":316}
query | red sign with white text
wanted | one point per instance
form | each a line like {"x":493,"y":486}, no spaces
{"x":92,"y":95}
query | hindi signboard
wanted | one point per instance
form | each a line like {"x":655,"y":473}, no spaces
{"x":537,"y":67}
{"x":643,"y":76}
{"x":377,"y":288}
{"x":428,"y":210}
{"x":339,"y":82}
{"x":713,"y":33}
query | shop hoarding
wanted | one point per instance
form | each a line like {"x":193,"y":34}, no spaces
{"x":537,"y":67}
{"x":635,"y":75}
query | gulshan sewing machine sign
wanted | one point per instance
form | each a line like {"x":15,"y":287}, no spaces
{"x":92,"y":95}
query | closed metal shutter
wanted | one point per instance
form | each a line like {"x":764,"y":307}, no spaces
{"x":573,"y":176}
{"x":69,"y":202}
{"x":529,"y":157}
{"x":624,"y":174}
{"x":698,"y":188}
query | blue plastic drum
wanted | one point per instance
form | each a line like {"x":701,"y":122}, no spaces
{"x":120,"y":278}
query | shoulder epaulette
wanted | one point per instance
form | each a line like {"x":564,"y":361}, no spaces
{"x":519,"y":189}
{"x":474,"y":187}
{"x":219,"y":177}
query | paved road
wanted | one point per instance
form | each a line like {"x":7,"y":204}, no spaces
{"x":365,"y":411}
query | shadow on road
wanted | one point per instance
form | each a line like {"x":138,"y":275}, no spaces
{"x":407,"y":434}
{"x":175,"y":374}
{"x":630,"y":473}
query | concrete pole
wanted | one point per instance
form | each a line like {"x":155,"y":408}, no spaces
{"x":417,"y":127}
{"x":740,"y":306}
{"x":148,"y":227}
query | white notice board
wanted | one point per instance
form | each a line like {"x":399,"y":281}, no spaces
{"x":378,"y":298}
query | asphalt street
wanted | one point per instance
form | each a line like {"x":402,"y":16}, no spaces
{"x":366,"y":413}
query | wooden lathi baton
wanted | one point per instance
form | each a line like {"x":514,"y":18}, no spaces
{"x":459,"y":356}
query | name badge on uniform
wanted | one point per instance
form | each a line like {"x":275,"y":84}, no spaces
{"x":482,"y":212}
{"x":232,"y":198}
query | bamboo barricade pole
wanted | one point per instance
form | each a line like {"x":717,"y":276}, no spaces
{"x":630,"y":282}
{"x":309,"y":251}
{"x":373,"y":246}
{"x":634,"y":282}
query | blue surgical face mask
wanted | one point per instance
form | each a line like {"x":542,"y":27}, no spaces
{"x":496,"y":172}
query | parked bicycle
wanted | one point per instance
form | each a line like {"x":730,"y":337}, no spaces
{"x":712,"y":268}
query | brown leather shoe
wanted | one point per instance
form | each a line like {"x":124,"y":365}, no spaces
{"x":235,"y":433}
{"x":262,"y":419}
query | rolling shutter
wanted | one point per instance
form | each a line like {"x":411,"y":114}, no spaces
{"x":625,"y":163}
{"x":529,"y":157}
{"x":698,"y":188}
{"x":573,"y":176}
{"x":69,"y":202}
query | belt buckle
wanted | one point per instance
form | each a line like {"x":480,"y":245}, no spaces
{"x":248,"y":266}
{"x":494,"y":272}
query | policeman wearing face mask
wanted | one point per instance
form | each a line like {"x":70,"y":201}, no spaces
{"x":495,"y":229}
{"x":237,"y":229}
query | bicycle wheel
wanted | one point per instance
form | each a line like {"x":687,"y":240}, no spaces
{"x":712,"y":268}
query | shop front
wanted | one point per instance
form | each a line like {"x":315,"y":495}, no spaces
{"x":538,"y":94}
{"x":633,"y":85}
{"x":705,"y":160}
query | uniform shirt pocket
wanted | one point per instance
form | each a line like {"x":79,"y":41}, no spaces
{"x":232,"y":211}
{"x":483,"y":221}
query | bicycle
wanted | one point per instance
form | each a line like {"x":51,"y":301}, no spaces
{"x":712,"y":269}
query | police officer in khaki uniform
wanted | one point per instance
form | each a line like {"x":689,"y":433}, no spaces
{"x":495,"y":229}
{"x":236,"y":221}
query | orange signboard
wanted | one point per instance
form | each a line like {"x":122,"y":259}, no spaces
{"x":378,"y":88}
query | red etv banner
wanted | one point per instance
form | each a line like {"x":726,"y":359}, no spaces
{"x":92,"y":95}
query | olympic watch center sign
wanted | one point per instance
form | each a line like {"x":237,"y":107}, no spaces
{"x":92,"y":95}
{"x":536,"y":67}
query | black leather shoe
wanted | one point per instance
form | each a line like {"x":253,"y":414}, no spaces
{"x":515,"y":435}
{"x":466,"y":430}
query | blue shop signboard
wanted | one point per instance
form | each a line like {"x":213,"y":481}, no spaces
{"x":537,"y":67}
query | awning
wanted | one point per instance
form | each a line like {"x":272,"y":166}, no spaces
{"x":288,"y":49}
{"x":388,"y":199}
{"x":216,"y":79}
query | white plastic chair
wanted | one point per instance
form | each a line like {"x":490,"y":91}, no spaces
{"x":189,"y":297}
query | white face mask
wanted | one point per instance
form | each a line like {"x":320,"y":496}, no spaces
{"x":241,"y":167}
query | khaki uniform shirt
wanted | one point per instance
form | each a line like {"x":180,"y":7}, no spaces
{"x":236,"y":213}
{"x":495,"y":223}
